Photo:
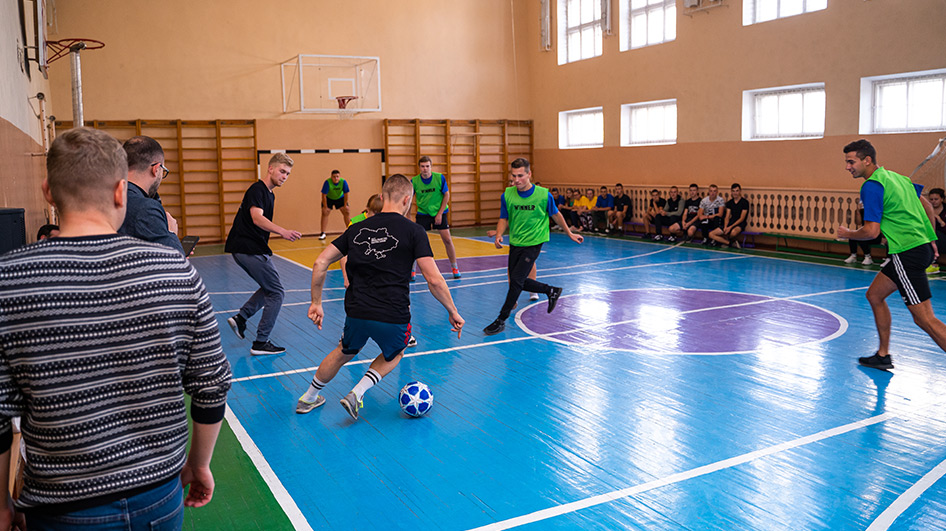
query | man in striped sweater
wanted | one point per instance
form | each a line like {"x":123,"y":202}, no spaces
{"x":100,"y":337}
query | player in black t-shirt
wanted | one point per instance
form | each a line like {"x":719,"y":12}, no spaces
{"x":621,"y":211}
{"x":737,"y":214}
{"x":686,"y":227}
{"x":656,"y":208}
{"x":380,"y":251}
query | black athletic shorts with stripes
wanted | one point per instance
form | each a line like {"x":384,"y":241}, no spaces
{"x":908,"y":272}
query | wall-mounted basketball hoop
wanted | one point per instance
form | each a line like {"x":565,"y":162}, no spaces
{"x":344,"y":112}
{"x":62,"y":47}
{"x":314,"y":84}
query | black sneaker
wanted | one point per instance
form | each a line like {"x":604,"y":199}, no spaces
{"x":322,"y":236}
{"x":647,"y":236}
{"x":877,"y":362}
{"x":553,"y":298}
{"x":263,"y":348}
{"x":238,"y":324}
{"x":672,"y":239}
{"x":495,"y":327}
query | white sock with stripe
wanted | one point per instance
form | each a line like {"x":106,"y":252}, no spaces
{"x":369,"y":380}
{"x":313,"y":391}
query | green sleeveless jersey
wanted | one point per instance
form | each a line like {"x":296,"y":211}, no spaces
{"x":360,"y":217}
{"x":335,"y":191}
{"x":904,"y":222}
{"x":528,"y":216}
{"x":428,"y":196}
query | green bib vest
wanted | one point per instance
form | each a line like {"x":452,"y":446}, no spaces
{"x":360,"y":217}
{"x":428,"y":196}
{"x":904,"y":224}
{"x":335,"y":191}
{"x":528,"y":216}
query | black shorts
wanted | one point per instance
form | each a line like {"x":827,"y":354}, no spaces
{"x":335,"y":203}
{"x":711,"y":223}
{"x":908,"y":272}
{"x":428,"y":222}
{"x":392,"y":338}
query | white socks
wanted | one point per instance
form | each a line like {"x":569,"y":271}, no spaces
{"x":369,"y":380}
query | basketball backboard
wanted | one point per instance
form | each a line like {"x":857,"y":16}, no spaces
{"x":313,"y":83}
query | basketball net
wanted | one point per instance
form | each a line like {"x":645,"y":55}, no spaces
{"x":931,"y":173}
{"x":344,"y":112}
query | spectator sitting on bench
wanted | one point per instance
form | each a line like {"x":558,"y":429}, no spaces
{"x":736,"y":219}
{"x":621,"y":211}
{"x":655,"y":208}
{"x":712,"y":208}
{"x":691,"y":208}
{"x":603,"y":204}
{"x":672,"y":214}
{"x":583,"y":207}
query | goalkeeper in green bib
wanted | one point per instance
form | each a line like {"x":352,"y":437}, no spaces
{"x":433,"y":197}
{"x":526,"y":209}
{"x":895,"y":207}
{"x":334,"y":195}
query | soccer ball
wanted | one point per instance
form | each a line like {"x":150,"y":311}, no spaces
{"x":416,"y":399}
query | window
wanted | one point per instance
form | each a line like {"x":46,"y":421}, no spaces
{"x":647,"y":22}
{"x":581,"y":128}
{"x":579,"y":30}
{"x":755,"y":11}
{"x":904,"y":103}
{"x":784,"y":113}
{"x":653,"y":122}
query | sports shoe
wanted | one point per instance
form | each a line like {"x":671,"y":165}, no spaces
{"x":658,"y":237}
{"x":322,"y":236}
{"x":851,"y":259}
{"x":456,"y":273}
{"x":495,"y":327}
{"x":647,"y":236}
{"x":885,"y":262}
{"x":553,"y":298}
{"x":351,"y":404}
{"x":413,"y":276}
{"x":735,"y":243}
{"x":303,"y":407}
{"x":932,"y":270}
{"x":263,"y":348}
{"x":412,"y":342}
{"x":671,"y":239}
{"x":533,"y":296}
{"x":868,"y":260}
{"x":877,"y":362}
{"x":238,"y":324}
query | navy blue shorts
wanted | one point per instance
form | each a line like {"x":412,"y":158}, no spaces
{"x":908,"y":272}
{"x":428,"y":222}
{"x":392,"y":338}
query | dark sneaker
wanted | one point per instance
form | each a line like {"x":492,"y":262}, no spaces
{"x":263,"y":348}
{"x":412,"y":342}
{"x":877,"y":362}
{"x":735,"y":243}
{"x":323,"y":236}
{"x":238,"y":324}
{"x":351,"y":404}
{"x":658,"y":237}
{"x":671,"y":239}
{"x":647,"y":236}
{"x":553,"y":298}
{"x":303,"y":407}
{"x":495,"y":327}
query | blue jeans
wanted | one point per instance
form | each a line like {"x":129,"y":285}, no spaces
{"x":269,"y":295}
{"x":159,"y":509}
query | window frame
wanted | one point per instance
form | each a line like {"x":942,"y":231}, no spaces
{"x":627,"y":13}
{"x":750,"y":10}
{"x":868,"y":119}
{"x":750,"y":114}
{"x":596,"y":24}
{"x":627,"y":123}
{"x":563,"y":128}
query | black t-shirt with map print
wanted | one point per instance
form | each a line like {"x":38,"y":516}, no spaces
{"x":381,"y":251}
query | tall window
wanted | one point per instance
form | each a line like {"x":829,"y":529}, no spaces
{"x":904,"y":103}
{"x":755,"y":11}
{"x":581,"y":128}
{"x":653,"y":122}
{"x":646,"y":22}
{"x":579,"y":30}
{"x":784,"y":113}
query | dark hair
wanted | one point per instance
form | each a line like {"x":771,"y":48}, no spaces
{"x":554,"y":188}
{"x":713,"y":186}
{"x":619,"y":184}
{"x":938,"y":191}
{"x":521,"y":163}
{"x":46,"y":230}
{"x":694,"y":185}
{"x":603,"y":187}
{"x":863,"y":148}
{"x":734,"y":186}
{"x":335,"y":171}
{"x":425,"y":158}
{"x":142,"y":152}
{"x":655,"y":191}
{"x":82,"y":169}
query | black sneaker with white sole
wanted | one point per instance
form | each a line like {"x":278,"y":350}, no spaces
{"x":495,"y":327}
{"x":877,"y":362}
{"x":553,"y":298}
{"x":263,"y":348}
{"x":238,"y":325}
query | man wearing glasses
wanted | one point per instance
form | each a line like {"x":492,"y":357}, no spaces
{"x":145,"y":217}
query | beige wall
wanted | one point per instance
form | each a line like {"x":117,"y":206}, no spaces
{"x":712,"y":61}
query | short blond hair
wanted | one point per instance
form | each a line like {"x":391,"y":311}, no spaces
{"x":280,"y":158}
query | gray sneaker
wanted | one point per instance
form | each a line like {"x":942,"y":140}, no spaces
{"x":351,"y":404}
{"x":303,"y":407}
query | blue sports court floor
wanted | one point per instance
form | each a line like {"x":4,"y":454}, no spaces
{"x":673,"y":388}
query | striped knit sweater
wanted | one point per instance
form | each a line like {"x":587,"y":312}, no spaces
{"x":100,"y":337}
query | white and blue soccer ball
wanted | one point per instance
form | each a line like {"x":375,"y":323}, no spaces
{"x":416,"y":399}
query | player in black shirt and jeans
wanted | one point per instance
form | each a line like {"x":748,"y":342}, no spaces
{"x":381,"y":251}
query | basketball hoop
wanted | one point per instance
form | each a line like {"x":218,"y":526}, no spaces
{"x":344,"y":113}
{"x":62,"y":47}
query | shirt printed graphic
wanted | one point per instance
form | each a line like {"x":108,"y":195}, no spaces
{"x":377,"y":241}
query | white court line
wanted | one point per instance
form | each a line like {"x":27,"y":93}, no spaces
{"x":905,"y":500}
{"x":282,"y":496}
{"x":565,"y":508}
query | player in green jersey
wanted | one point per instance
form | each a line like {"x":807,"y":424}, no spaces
{"x":334,"y":195}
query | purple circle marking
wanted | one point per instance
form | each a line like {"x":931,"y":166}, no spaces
{"x":681,"y":322}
